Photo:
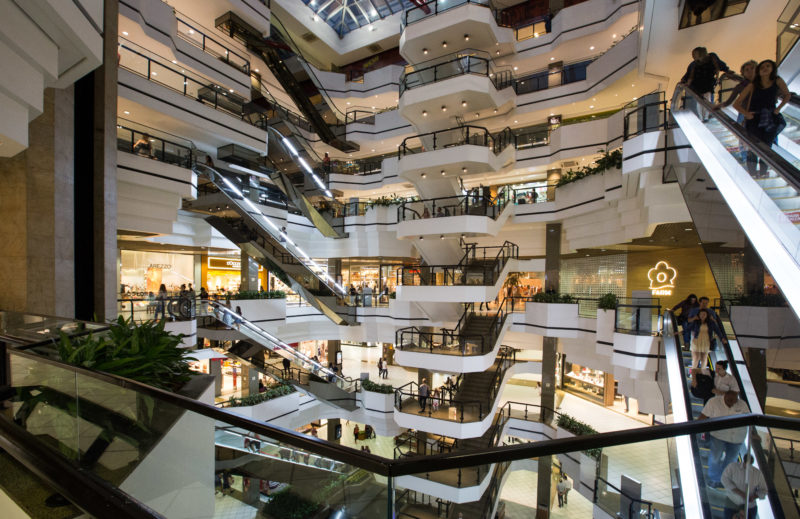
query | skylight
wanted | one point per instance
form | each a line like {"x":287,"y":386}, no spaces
{"x":346,"y":15}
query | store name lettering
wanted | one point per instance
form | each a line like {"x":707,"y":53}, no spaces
{"x":164,"y":266}
{"x":662,"y":279}
{"x":224,"y":263}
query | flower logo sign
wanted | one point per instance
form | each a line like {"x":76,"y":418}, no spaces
{"x":662,"y":279}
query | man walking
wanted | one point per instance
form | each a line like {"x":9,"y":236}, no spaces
{"x":423,"y":395}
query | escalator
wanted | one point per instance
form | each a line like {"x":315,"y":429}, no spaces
{"x":256,"y":234}
{"x":699,"y":497}
{"x":307,"y":374}
{"x":282,"y":59}
{"x":757,"y":184}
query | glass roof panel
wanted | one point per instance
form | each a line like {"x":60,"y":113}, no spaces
{"x":347,"y":15}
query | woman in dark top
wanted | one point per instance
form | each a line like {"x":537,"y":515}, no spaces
{"x":685,"y":306}
{"x":757,"y":104}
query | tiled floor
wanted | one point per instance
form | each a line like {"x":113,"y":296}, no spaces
{"x":519,"y":493}
{"x":227,"y":507}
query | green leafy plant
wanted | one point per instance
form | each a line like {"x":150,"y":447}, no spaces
{"x":578,"y":428}
{"x":288,"y":505}
{"x":547,"y":297}
{"x":272,"y":392}
{"x":144,"y":352}
{"x":609,"y":160}
{"x":369,"y":385}
{"x":259,"y":294}
{"x":607,"y":302}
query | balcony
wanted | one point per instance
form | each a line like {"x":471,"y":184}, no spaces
{"x":451,"y":153}
{"x":474,"y":21}
{"x":466,"y":82}
{"x":472,"y":213}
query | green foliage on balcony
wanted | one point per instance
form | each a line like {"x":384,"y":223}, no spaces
{"x":273,"y":392}
{"x":547,"y":297}
{"x":258,"y":294}
{"x":607,"y":302}
{"x":144,"y":352}
{"x":578,"y":428}
{"x":609,"y":160}
{"x":369,"y":385}
{"x":288,"y":505}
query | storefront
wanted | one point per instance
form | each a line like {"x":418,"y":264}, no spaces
{"x":144,"y":272}
{"x":222,"y":273}
{"x":313,"y":349}
{"x":529,"y":192}
{"x":591,"y":384}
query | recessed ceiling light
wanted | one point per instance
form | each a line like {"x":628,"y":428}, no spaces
{"x":495,"y":110}
{"x":256,"y":70}
{"x":444,"y":44}
{"x":515,"y":121}
{"x":424,"y":113}
{"x":552,"y":58}
{"x":126,"y":112}
{"x":316,"y":18}
{"x":443,"y":173}
{"x":466,"y":37}
{"x":463,"y":103}
{"x":441,"y":236}
{"x":373,"y":149}
{"x":591,"y":48}
{"x":424,"y":175}
{"x":689,"y":229}
{"x":463,"y":170}
{"x":174,"y":62}
{"x":477,"y":114}
{"x":124,"y":33}
{"x":633,"y":85}
{"x":613,"y":35}
{"x":421,"y":238}
{"x":191,"y":31}
{"x":591,"y":106}
{"x":516,"y":68}
{"x":230,"y":90}
{"x":424,"y":51}
{"x":444,"y":108}
{"x":497,"y":52}
{"x":154,"y":73}
{"x":348,"y":102}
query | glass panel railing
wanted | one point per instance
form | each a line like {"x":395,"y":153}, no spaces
{"x":461,"y":136}
{"x":433,"y":7}
{"x":638,"y":316}
{"x":696,"y":14}
{"x":478,"y":266}
{"x":198,"y":35}
{"x":464,"y":62}
{"x":474,"y":204}
{"x":154,"y":144}
{"x":16,"y":327}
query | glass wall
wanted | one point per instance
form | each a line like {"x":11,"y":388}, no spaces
{"x":143,"y":272}
{"x":595,"y":275}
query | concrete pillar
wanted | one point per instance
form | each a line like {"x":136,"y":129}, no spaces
{"x":333,"y":348}
{"x":96,"y":181}
{"x":553,"y":176}
{"x":332,"y":426}
{"x":249,"y":380}
{"x":215,"y":369}
{"x":757,"y":366}
{"x":36,"y":214}
{"x":552,"y":265}
{"x":248,"y":273}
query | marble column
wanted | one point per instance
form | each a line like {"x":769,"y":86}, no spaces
{"x":248,"y":273}
{"x":36,"y":214}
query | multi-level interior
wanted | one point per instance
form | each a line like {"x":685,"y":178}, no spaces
{"x":454,"y":232}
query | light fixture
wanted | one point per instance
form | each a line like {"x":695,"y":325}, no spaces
{"x":444,"y":44}
{"x":466,"y":37}
{"x":256,"y":70}
{"x":689,"y":229}
{"x":424,"y":51}
{"x":371,"y":28}
{"x":463,"y":170}
{"x":442,"y":172}
{"x":495,"y":110}
{"x":613,"y":35}
{"x":516,"y":67}
{"x":124,"y":33}
{"x":441,"y":236}
{"x":424,"y":175}
{"x":154,"y":73}
{"x":424,"y":113}
{"x":348,"y":103}
{"x":126,"y":112}
{"x":591,"y":106}
{"x":515,"y":121}
{"x":316,"y":18}
{"x":174,"y":62}
{"x":230,"y":90}
{"x":191,"y":31}
{"x":463,"y":103}
{"x":633,"y":84}
{"x":497,"y":52}
{"x":536,"y":35}
{"x":477,"y":114}
{"x":591,"y":48}
{"x":444,"y":108}
{"x":373,"y":150}
{"x":421,"y":238}
{"x":552,"y":58}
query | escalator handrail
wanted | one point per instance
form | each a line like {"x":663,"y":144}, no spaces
{"x":764,"y":151}
{"x":81,"y":487}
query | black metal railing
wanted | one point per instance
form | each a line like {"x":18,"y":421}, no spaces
{"x":608,"y":498}
{"x":197,"y":35}
{"x":459,"y":136}
{"x":195,"y":87}
{"x":647,"y":118}
{"x":473,"y":204}
{"x":458,"y":64}
{"x":148,"y":142}
{"x":544,"y":79}
{"x":478,"y":266}
{"x":433,"y":7}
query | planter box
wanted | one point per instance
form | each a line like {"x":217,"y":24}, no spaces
{"x":765,"y":326}
{"x":553,"y":319}
{"x":377,"y":402}
{"x":605,"y":331}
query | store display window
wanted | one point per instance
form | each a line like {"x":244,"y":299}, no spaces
{"x":585,"y":382}
{"x":143,"y":272}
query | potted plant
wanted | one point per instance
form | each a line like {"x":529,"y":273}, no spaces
{"x":377,"y":397}
{"x":556,"y":311}
{"x":606,"y":317}
{"x":608,"y":160}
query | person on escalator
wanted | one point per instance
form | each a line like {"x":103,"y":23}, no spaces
{"x":724,"y":381}
{"x":702,"y":384}
{"x":286,"y":366}
{"x":702,"y":304}
{"x":748,"y":71}
{"x":703,"y":331}
{"x":743,"y":483}
{"x":701,"y":74}
{"x":685,"y":307}
{"x":763,"y":119}
{"x":725,"y":443}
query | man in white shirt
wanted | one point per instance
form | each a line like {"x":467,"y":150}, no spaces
{"x":726,"y":443}
{"x":744,"y":484}
{"x":723,"y":381}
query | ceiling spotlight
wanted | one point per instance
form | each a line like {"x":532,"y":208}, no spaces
{"x":230,"y":90}
{"x":536,"y":35}
{"x":424,"y":175}
{"x":515,"y":121}
{"x":591,"y":48}
{"x":466,"y":37}
{"x":463,"y":103}
{"x":463,"y":170}
{"x":444,"y":44}
{"x":552,"y":58}
{"x":371,"y":28}
{"x":124,"y":33}
{"x":613,"y":35}
{"x":316,"y":18}
{"x":126,"y":112}
{"x":444,"y":108}
{"x":424,"y":51}
{"x":424,"y":113}
{"x":497,"y":52}
{"x":441,"y":236}
{"x":421,"y":238}
{"x":591,"y":106}
{"x":495,"y":110}
{"x":516,"y":67}
{"x":256,"y":70}
{"x":443,"y":173}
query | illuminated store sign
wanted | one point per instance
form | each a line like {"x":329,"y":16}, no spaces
{"x":662,"y":279}
{"x":224,"y":263}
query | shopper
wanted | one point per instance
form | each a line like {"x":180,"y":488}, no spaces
{"x":701,"y":338}
{"x":423,"y":395}
{"x":744,"y":484}
{"x":563,"y":488}
{"x":703,"y":303}
{"x":143,"y":146}
{"x":380,"y":367}
{"x":723,"y":381}
{"x":287,"y":367}
{"x":162,"y":301}
{"x":326,"y":163}
{"x":261,"y":387}
{"x":726,"y":443}
{"x":685,"y":307}
{"x":385,"y":368}
{"x":702,"y":384}
{"x":355,"y":433}
{"x":762,"y":118}
{"x":435,"y":400}
{"x":748,"y":71}
{"x":238,"y":320}
{"x":701,"y":74}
